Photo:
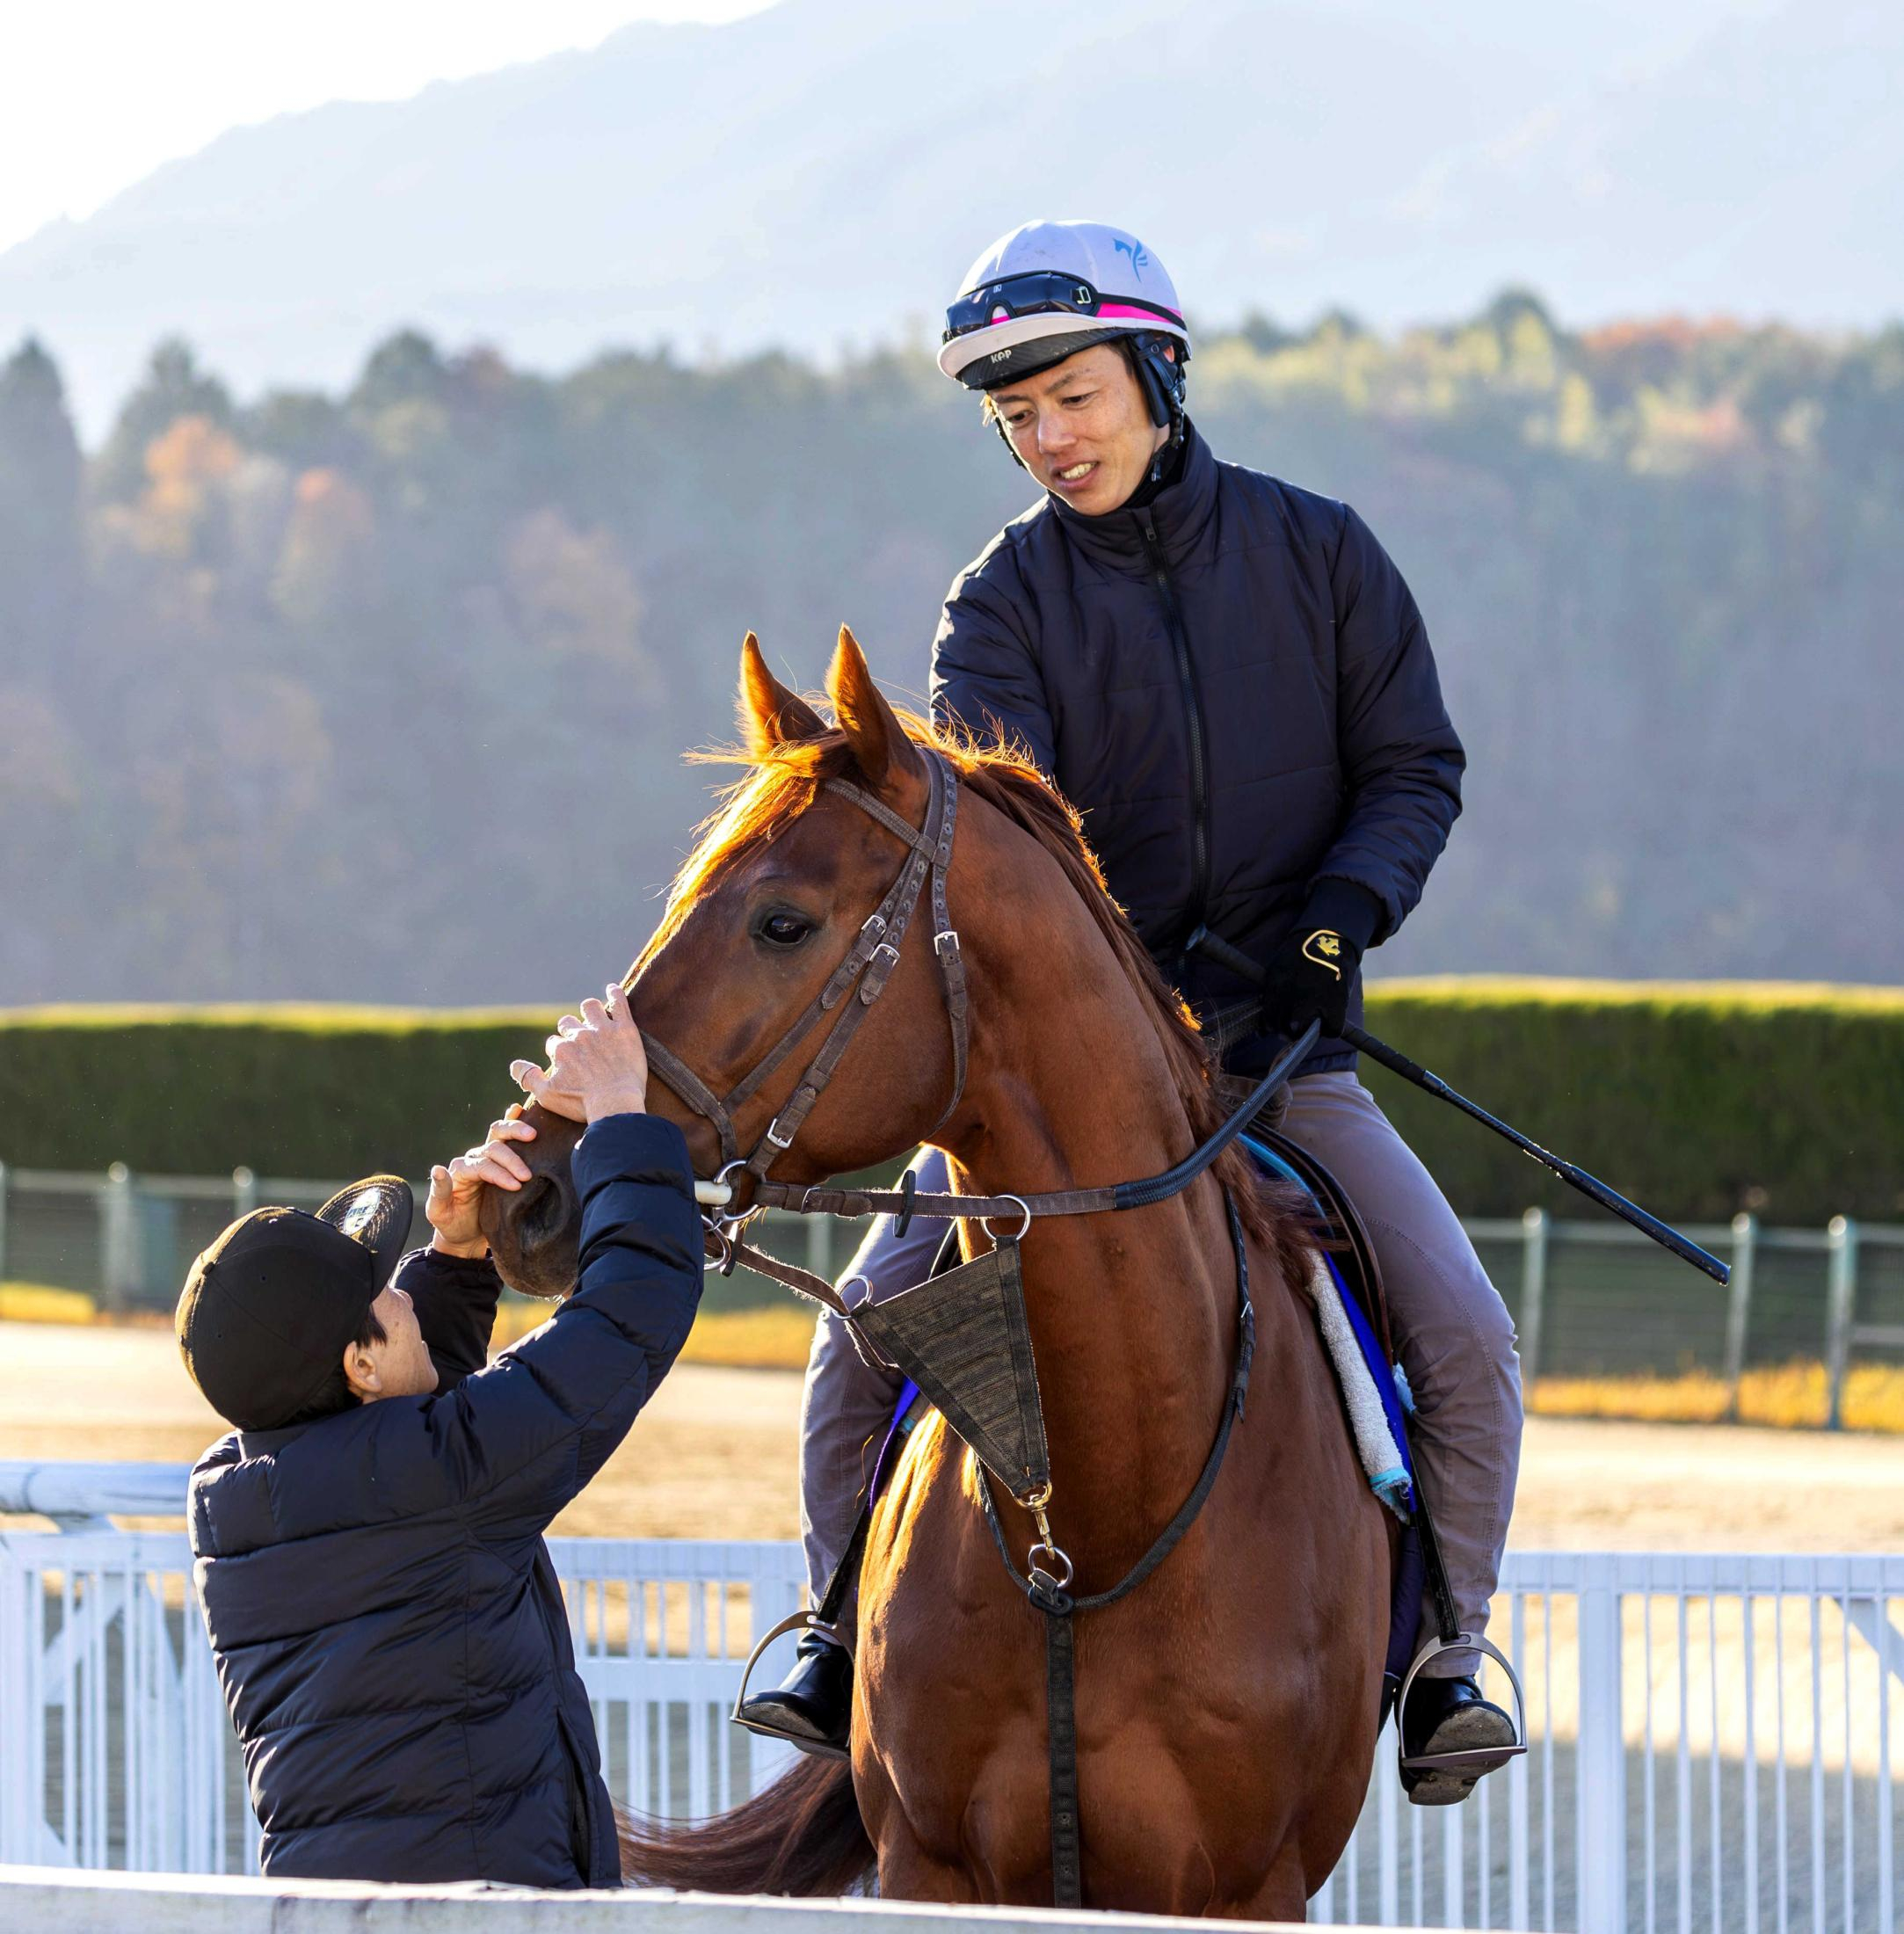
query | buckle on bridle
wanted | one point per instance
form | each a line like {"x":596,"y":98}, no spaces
{"x":945,"y":945}
{"x":774,"y":1139}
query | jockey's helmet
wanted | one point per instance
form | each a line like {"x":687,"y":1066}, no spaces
{"x":1048,"y":289}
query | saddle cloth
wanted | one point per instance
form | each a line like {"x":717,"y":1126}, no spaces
{"x":1371,"y":1383}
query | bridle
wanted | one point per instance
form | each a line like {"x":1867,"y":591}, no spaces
{"x":867,"y":967}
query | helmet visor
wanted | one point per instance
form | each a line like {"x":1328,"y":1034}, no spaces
{"x":1045,"y":291}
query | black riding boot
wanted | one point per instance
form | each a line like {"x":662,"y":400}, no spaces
{"x":1451,"y":1716}
{"x":812,"y":1707}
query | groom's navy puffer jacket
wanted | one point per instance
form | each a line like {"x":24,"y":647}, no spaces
{"x":1237,"y":637}
{"x":388,"y":1626}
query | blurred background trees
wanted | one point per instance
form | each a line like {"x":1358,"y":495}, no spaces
{"x":381,"y":694}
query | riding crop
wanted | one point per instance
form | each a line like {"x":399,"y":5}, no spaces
{"x":1203,"y":941}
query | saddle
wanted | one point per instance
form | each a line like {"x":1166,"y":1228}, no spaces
{"x":1349,"y":1244}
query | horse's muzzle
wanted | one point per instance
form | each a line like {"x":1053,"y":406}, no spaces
{"x":534,"y":1234}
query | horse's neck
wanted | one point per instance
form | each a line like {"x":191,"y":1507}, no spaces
{"x":1133,"y":1314}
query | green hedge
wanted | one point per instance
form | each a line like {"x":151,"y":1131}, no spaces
{"x":288,"y":1091}
{"x":1695,"y":1099}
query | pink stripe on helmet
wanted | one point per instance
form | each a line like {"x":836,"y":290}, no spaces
{"x":1141,"y":315}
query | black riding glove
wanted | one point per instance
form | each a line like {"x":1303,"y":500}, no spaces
{"x":1313,"y":969}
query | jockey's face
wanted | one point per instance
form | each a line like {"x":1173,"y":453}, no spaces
{"x":1082,"y":428}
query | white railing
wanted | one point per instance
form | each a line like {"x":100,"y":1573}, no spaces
{"x":1713,"y":1743}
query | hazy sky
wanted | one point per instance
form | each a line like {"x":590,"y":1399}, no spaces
{"x":96,"y":93}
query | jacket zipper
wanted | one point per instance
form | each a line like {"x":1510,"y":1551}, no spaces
{"x":1193,"y":717}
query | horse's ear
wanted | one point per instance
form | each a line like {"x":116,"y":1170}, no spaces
{"x":770,"y":713}
{"x":881,"y":749}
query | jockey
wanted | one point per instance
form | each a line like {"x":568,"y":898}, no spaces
{"x":1228,"y":678}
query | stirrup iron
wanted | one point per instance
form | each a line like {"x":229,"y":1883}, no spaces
{"x":806,"y":1619}
{"x":1478,"y":1762}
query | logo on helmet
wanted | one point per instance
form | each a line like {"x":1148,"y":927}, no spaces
{"x":1139,"y":254}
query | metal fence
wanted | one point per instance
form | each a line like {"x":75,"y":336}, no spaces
{"x":1588,"y":1297}
{"x":1713,"y":1743}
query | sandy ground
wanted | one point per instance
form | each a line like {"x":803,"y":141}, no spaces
{"x":713,"y":1455}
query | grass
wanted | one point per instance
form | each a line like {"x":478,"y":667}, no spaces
{"x":41,"y":1303}
{"x":1784,"y":1397}
{"x":303,"y":1016}
{"x":1725,"y":996}
{"x":776,"y":1337}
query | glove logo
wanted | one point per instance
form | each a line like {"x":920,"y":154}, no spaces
{"x":1324,"y":947}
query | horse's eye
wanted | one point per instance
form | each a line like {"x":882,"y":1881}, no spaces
{"x":784,"y":929}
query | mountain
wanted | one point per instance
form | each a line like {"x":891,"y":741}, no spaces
{"x":821,"y":173}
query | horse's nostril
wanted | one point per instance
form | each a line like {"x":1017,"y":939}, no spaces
{"x":542,"y":1209}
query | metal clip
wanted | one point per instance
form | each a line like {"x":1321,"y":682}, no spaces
{"x":985,"y":1223}
{"x":1036,"y":1501}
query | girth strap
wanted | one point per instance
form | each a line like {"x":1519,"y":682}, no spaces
{"x":1061,"y":1752}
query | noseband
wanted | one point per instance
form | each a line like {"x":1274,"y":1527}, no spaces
{"x":867,"y":967}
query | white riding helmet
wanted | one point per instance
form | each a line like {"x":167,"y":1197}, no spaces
{"x":1051,"y":288}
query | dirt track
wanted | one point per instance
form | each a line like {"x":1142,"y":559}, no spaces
{"x":713,"y":1457}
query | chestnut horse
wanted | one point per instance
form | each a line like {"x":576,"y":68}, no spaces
{"x":1226,"y":1709}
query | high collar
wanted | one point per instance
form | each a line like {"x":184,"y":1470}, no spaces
{"x":1180,"y":514}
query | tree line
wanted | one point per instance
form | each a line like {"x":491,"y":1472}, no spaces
{"x":383,"y":694}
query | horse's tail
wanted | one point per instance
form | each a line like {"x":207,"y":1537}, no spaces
{"x":802,"y":1834}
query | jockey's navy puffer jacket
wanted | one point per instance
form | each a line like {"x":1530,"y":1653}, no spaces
{"x":1233,"y":687}
{"x":388,"y":1626}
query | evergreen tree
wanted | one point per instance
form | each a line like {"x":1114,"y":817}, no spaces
{"x":40,"y":540}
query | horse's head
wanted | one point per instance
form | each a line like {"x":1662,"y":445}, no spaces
{"x":770,"y":901}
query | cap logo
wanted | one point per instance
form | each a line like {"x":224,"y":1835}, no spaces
{"x":1139,"y":254}
{"x":362,"y":1212}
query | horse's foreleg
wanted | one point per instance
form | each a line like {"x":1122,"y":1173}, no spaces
{"x":908,"y":1873}
{"x":1280,"y":1897}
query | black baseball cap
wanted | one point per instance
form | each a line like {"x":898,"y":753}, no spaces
{"x":268,"y":1310}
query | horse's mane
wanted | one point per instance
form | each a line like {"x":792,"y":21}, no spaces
{"x":782,"y":782}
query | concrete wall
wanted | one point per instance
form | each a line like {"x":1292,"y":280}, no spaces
{"x":163,"y":1903}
